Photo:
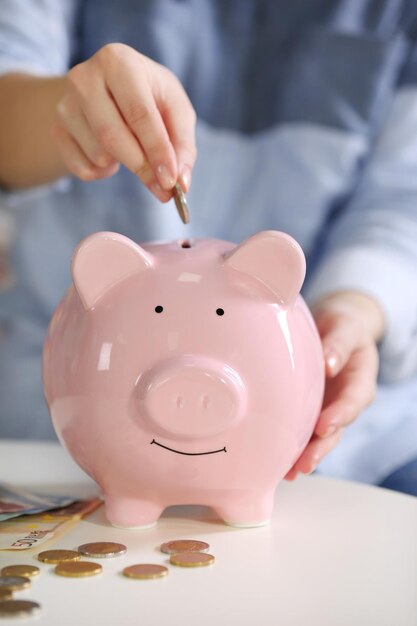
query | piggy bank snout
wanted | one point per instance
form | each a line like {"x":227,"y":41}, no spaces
{"x":191,"y":398}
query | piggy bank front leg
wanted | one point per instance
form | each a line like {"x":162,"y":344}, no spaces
{"x":133,"y":513}
{"x":248,"y":510}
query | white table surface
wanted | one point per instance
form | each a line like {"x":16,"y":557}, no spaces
{"x":335,"y":554}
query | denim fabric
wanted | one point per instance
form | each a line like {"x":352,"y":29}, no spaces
{"x":306,"y":123}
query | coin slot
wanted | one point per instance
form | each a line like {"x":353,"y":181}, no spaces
{"x":185,"y":243}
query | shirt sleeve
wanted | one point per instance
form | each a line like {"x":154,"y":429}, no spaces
{"x":371,"y":246}
{"x":38,"y":36}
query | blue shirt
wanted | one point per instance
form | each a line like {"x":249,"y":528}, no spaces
{"x":307,"y":123}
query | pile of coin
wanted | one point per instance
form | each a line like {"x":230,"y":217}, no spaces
{"x":183,"y":552}
{"x":68,"y":563}
{"x":188,"y":553}
{"x":16,"y":578}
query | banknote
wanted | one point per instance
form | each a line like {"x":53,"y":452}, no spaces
{"x":16,"y":501}
{"x":30,"y":531}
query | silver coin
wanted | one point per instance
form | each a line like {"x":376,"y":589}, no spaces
{"x":102,"y":549}
{"x":14,"y":583}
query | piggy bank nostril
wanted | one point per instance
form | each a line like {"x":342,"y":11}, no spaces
{"x":179,"y":402}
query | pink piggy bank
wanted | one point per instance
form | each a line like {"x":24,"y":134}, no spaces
{"x":185,"y":373}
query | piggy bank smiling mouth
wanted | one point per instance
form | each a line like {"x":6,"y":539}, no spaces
{"x":188,"y":453}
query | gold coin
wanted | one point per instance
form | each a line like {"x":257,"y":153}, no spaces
{"x":78,"y":569}
{"x":184,"y":545}
{"x":145,"y":571}
{"x":191,"y":559}
{"x":20,"y":570}
{"x":14,"y":583}
{"x":5,"y":594}
{"x":181,"y":204}
{"x":104,"y":549}
{"x":18,"y":608}
{"x":58,"y":556}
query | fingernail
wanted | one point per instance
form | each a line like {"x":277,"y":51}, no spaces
{"x":104,"y":160}
{"x":166,"y":180}
{"x":291,"y":477}
{"x":87,"y":174}
{"x":160,"y":193}
{"x":331,"y":358}
{"x":314,"y":462}
{"x":185,"y":177}
{"x":331,"y":430}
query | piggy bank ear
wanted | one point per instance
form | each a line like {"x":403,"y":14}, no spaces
{"x":102,"y":260}
{"x":273,"y":258}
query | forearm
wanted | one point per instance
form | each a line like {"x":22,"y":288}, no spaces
{"x":28,"y":155}
{"x":370,"y":247}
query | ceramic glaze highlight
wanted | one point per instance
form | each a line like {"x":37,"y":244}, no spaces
{"x":185,"y":373}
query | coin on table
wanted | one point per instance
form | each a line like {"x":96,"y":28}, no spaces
{"x":191,"y":559}
{"x":104,"y":549}
{"x":20,"y":570}
{"x":58,"y":556}
{"x":14,"y":583}
{"x":5,"y":594}
{"x":181,"y":204}
{"x":78,"y":569}
{"x":184,"y":545}
{"x":18,"y":608}
{"x":145,"y":571}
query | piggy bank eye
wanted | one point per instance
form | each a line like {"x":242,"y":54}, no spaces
{"x":220,"y":311}
{"x":159,"y":309}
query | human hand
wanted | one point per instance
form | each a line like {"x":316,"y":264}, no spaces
{"x":350,"y":325}
{"x":120,"y":107}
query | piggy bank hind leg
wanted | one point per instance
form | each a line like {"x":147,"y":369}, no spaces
{"x":247,"y":511}
{"x":131,"y":513}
